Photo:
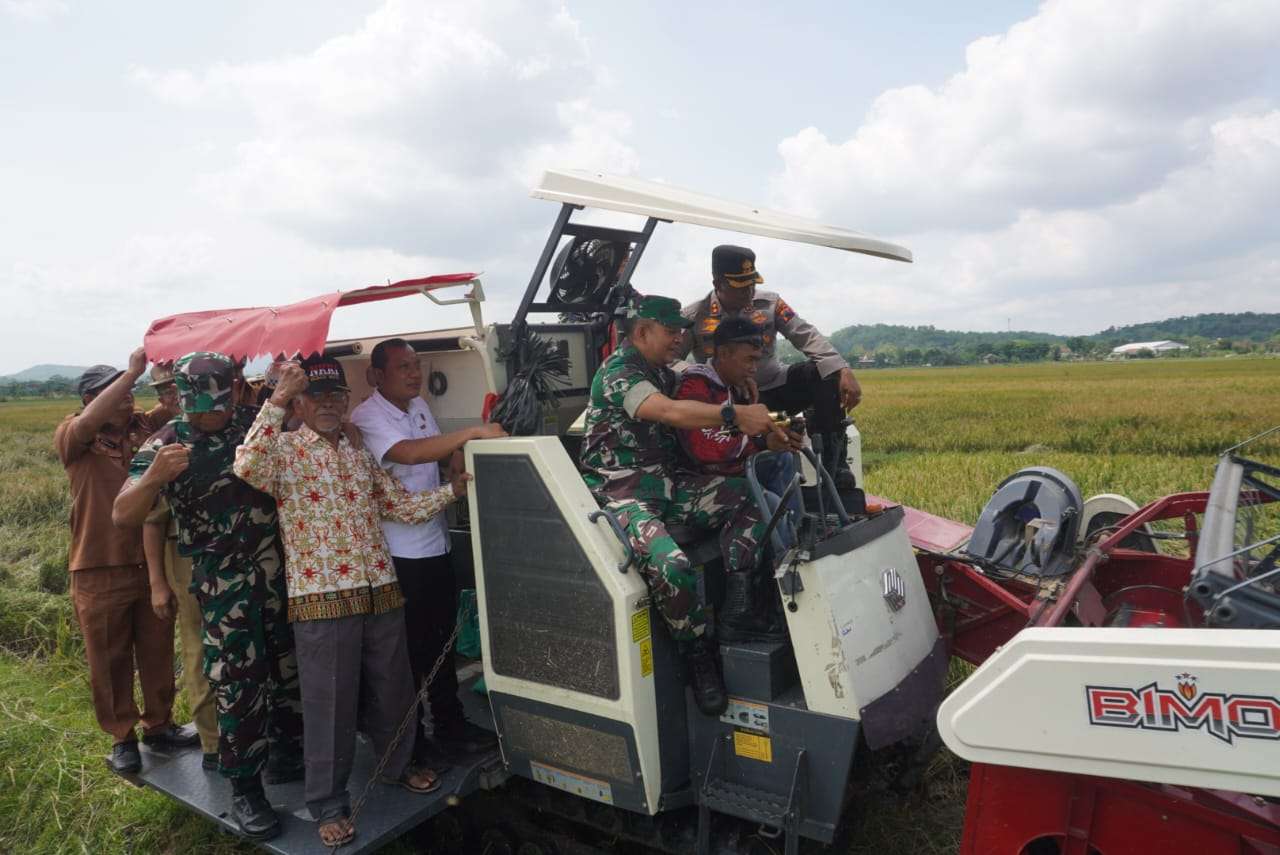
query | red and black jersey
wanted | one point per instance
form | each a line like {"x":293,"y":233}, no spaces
{"x":718,"y":450}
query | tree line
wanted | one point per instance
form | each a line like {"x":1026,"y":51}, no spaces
{"x":1215,"y":334}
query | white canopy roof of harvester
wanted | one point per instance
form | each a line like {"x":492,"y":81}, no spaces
{"x":665,"y":202}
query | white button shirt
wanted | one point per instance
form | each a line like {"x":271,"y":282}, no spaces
{"x":382,"y":424}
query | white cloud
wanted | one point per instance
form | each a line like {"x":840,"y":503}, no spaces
{"x":34,"y":10}
{"x":1093,"y":148}
{"x":423,"y":128}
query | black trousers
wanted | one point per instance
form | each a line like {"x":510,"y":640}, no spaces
{"x":804,"y":389}
{"x":430,"y":611}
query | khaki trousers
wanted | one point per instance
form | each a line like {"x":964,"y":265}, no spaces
{"x":113,"y":607}
{"x":177,"y":570}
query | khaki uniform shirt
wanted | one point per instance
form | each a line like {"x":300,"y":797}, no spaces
{"x":772,"y":314}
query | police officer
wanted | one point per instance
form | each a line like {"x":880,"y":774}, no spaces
{"x":823,"y":382}
{"x":629,"y":452}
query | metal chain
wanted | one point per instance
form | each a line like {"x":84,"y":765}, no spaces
{"x":404,"y":725}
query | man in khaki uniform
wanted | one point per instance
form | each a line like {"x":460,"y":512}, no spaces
{"x":823,"y":382}
{"x":170,"y":579}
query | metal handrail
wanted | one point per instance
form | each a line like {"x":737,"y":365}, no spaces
{"x":619,"y":532}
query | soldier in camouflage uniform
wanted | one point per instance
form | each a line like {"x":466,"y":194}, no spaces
{"x":229,"y":531}
{"x":630,"y":453}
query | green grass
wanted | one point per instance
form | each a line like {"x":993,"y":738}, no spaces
{"x":936,"y":439}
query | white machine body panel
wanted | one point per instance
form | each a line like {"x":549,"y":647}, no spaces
{"x":851,"y":644}
{"x":1193,"y":707}
{"x":636,"y":704}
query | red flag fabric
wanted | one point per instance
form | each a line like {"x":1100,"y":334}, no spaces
{"x":301,"y":327}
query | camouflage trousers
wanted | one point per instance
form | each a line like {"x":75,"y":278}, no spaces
{"x":699,"y":501}
{"x":248,"y":657}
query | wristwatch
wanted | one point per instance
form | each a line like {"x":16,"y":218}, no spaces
{"x":727,"y":414}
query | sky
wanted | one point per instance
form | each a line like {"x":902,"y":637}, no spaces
{"x":1061,"y":166}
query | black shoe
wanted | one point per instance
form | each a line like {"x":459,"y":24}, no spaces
{"x":254,"y":816}
{"x":708,"y":688}
{"x":845,"y":482}
{"x":125,"y":759}
{"x":172,"y":737}
{"x":463,"y":737}
{"x":283,"y":771}
{"x":209,"y":762}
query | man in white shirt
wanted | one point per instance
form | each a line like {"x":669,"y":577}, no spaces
{"x":399,"y":431}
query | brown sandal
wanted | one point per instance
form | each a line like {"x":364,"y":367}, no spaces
{"x":347,"y":831}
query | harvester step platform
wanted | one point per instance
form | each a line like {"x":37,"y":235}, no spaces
{"x":389,"y":812}
{"x":745,"y":802}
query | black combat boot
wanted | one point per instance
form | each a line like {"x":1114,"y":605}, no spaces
{"x":708,"y":688}
{"x":740,"y":620}
{"x":251,"y":810}
{"x":835,"y":459}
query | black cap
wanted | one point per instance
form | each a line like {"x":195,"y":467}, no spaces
{"x":96,"y":378}
{"x":736,"y":264}
{"x":738,"y":330}
{"x":324,"y":374}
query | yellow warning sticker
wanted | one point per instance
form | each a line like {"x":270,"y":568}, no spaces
{"x":639,"y":626}
{"x":646,"y":657}
{"x":755,"y":746}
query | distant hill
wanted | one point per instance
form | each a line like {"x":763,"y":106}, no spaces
{"x":1254,"y":326}
{"x":41,"y":373}
{"x":894,"y":344}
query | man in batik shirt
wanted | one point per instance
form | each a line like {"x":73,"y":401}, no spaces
{"x":629,"y":452}
{"x":228,"y":529}
{"x":344,"y":601}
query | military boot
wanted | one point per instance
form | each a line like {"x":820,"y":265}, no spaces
{"x":741,"y":621}
{"x":251,"y":810}
{"x":835,"y":459}
{"x":708,"y":687}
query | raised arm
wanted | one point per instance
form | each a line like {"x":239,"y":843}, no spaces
{"x":258,"y":458}
{"x":97,"y":412}
{"x":154,"y":466}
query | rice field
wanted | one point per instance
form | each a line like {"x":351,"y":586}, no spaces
{"x":937,"y":439}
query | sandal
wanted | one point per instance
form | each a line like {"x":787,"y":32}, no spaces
{"x":406,"y":780}
{"x":340,"y":831}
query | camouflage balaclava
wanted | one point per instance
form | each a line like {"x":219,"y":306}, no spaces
{"x":204,"y":382}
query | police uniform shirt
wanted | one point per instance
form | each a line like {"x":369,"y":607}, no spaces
{"x":772,"y":314}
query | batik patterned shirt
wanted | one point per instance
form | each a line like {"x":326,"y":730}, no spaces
{"x":330,"y":501}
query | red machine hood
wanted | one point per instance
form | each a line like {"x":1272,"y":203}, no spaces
{"x":301,"y":327}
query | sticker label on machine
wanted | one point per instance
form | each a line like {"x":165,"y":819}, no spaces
{"x":579,"y":785}
{"x":748,"y":714}
{"x":753,"y":746}
{"x":642,"y":635}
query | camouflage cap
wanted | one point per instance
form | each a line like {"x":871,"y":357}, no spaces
{"x":664,"y":310}
{"x":204,"y":382}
